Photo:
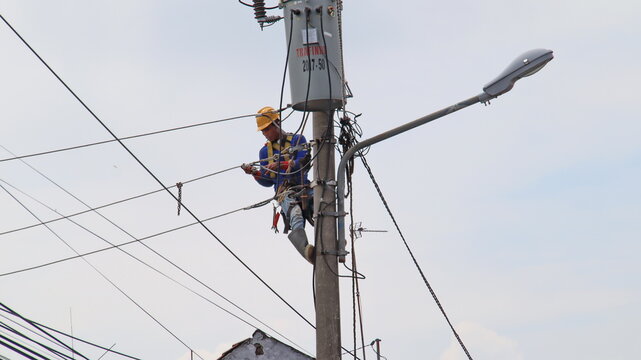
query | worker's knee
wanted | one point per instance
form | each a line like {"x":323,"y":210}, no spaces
{"x":296,"y":219}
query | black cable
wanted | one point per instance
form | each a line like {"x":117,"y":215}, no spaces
{"x":112,"y":203}
{"x":10,"y":311}
{"x":429,"y":287}
{"x":99,"y":272}
{"x":262,"y":203}
{"x":123,"y":138}
{"x":23,"y":327}
{"x":156,"y":270}
{"x":251,"y":6}
{"x":289,"y":45}
{"x":156,"y":178}
{"x":37,"y":325}
{"x":49,"y":349}
{"x":152,"y":250}
{"x":17,"y":350}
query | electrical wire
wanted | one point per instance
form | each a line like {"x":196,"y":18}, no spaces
{"x":38,"y":325}
{"x":7,"y":309}
{"x":16,"y":157}
{"x":115,"y":202}
{"x":251,"y":6}
{"x":262,"y":203}
{"x":429,"y":287}
{"x":19,"y":351}
{"x":24,"y":328}
{"x":153,"y":251}
{"x":155,"y":177}
{"x":164,"y":274}
{"x":101,"y":273}
{"x":18,"y":337}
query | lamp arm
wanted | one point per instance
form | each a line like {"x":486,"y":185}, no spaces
{"x":340,"y":178}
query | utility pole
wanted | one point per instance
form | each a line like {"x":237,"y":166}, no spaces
{"x":315,"y":73}
{"x":328,"y":330}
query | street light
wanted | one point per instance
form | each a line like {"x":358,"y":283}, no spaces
{"x":525,"y":65}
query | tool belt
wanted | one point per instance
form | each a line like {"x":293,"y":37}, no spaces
{"x":303,"y":198}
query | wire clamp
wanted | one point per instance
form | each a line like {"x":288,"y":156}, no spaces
{"x":179,"y":185}
{"x":335,"y":252}
{"x":333,"y":213}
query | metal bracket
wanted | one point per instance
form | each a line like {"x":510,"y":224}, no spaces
{"x":333,"y":213}
{"x":335,"y":253}
{"x":331,"y":140}
{"x":323,"y":183}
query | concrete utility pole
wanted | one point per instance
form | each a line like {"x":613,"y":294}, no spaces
{"x":315,"y":73}
{"x":328,"y":326}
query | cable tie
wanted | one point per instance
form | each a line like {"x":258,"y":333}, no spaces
{"x":179,"y":185}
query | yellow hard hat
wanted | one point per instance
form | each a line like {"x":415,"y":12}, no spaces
{"x":269,"y":115}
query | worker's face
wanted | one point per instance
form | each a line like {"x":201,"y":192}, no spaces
{"x":272,"y":132}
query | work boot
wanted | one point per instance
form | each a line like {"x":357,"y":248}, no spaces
{"x":298,"y":238}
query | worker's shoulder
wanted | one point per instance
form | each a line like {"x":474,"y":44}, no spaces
{"x":297,"y":138}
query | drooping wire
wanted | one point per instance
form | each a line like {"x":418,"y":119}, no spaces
{"x":20,"y":337}
{"x":251,"y":6}
{"x":59,"y":332}
{"x":5,"y":325}
{"x":262,"y":203}
{"x":15,"y":157}
{"x":100,"y":272}
{"x":20,"y":349}
{"x":10,"y":311}
{"x":429,"y":287}
{"x":113,"y":203}
{"x":155,"y":177}
{"x":150,"y":249}
{"x":179,"y":268}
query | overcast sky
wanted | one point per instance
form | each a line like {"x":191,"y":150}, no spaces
{"x":525,"y":215}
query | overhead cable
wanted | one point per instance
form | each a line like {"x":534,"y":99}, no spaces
{"x":154,"y":176}
{"x":262,"y":203}
{"x":101,"y":273}
{"x":38,"y":325}
{"x":231,"y":252}
{"x":112,"y":203}
{"x":19,"y":337}
{"x":158,"y":271}
{"x":429,"y":287}
{"x":16,"y":157}
{"x":8,"y":310}
{"x":5,"y":325}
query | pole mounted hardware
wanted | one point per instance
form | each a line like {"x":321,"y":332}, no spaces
{"x":525,"y":65}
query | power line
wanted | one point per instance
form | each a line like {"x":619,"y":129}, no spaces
{"x":15,"y":157}
{"x":153,"y":175}
{"x":2,"y":323}
{"x":99,"y":272}
{"x":262,"y":203}
{"x":429,"y":287}
{"x":113,"y":203}
{"x":8,"y":310}
{"x":19,"y":334}
{"x":39,"y":325}
{"x":156,"y":270}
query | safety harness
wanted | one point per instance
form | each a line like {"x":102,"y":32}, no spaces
{"x":304,"y":200}
{"x":278,"y":146}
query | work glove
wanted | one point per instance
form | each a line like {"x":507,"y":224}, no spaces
{"x":248,"y":169}
{"x":284,"y":166}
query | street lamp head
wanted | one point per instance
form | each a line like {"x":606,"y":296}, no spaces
{"x":525,"y":65}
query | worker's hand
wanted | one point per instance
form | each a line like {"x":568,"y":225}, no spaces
{"x":248,"y":169}
{"x":284,"y":165}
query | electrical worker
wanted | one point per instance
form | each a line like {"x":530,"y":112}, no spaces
{"x":287,"y":173}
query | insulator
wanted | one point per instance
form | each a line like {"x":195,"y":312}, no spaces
{"x":259,"y":9}
{"x":270,"y":19}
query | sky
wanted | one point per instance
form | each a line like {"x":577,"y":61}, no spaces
{"x":525,"y":215}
